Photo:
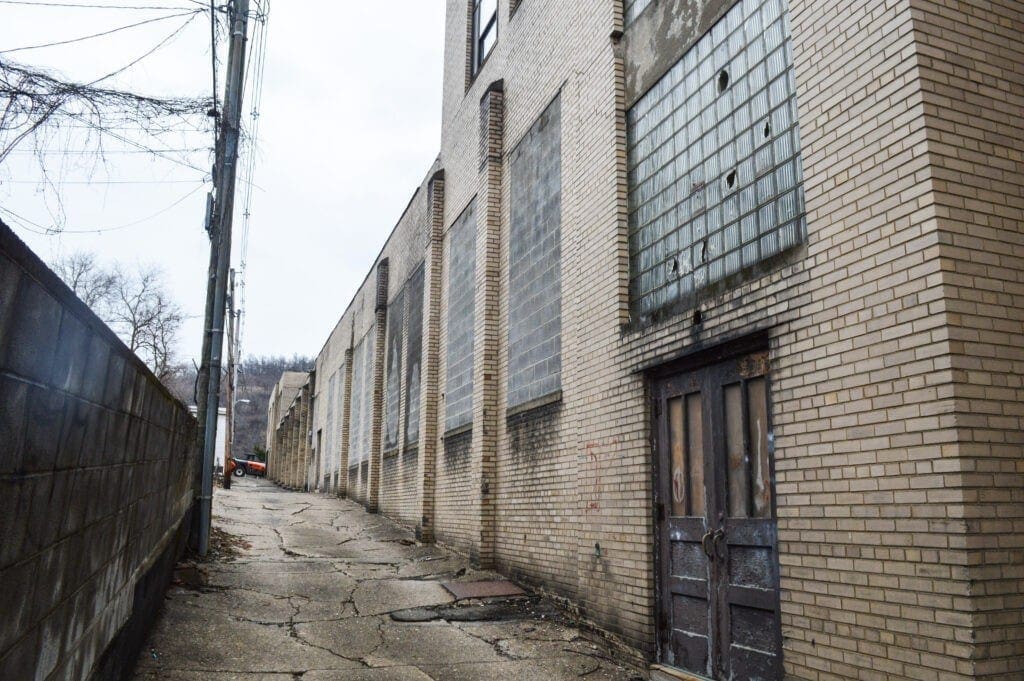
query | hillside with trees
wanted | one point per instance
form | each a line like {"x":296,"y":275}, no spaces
{"x":257,"y":377}
{"x":256,"y":380}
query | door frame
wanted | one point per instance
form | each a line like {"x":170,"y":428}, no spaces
{"x":695,"y":359}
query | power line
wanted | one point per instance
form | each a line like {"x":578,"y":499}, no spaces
{"x":136,"y":128}
{"x":190,"y":13}
{"x":106,"y":152}
{"x":103,"y":182}
{"x":156,"y":47}
{"x":55,"y":231}
{"x":20,"y":222}
{"x":76,"y":5}
{"x":101,"y":34}
{"x":257,"y":95}
{"x":137,"y":145}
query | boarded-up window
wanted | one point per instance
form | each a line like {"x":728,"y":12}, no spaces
{"x":715,"y":181}
{"x":340,"y":415}
{"x":362,"y":399}
{"x":686,"y":444}
{"x":367,"y":396}
{"x":329,"y":442}
{"x":746,"y":446}
{"x":535,"y":291}
{"x":414,"y":353}
{"x":396,"y":319}
{"x":356,"y":417}
{"x":461,"y":294}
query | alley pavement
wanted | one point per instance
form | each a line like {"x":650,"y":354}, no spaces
{"x":311,"y":587}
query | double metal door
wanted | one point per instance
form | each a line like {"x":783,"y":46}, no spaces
{"x":717,"y":549}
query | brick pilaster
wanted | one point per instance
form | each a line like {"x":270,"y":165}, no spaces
{"x":379,"y":370}
{"x":272,"y":455}
{"x":487,"y":320}
{"x":304,"y":448}
{"x":282,"y":451}
{"x":293,"y":449}
{"x":428,"y":439}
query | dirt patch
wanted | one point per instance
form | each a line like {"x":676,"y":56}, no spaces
{"x":225,"y":546}
{"x":190,"y":572}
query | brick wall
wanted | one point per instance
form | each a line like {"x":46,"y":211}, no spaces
{"x":98,"y":471}
{"x":971,"y":66}
{"x":894,"y":329}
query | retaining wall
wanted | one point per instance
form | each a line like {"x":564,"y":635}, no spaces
{"x":98,"y":471}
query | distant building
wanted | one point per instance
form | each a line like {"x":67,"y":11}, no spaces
{"x":281,"y":399}
{"x":709,"y":318}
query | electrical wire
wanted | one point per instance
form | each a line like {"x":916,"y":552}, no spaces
{"x":260,"y":50}
{"x":100,"y":182}
{"x":102,"y":33}
{"x":26,"y":3}
{"x":106,"y":152}
{"x":51,"y":231}
{"x":156,"y":47}
{"x":197,"y":8}
{"x":137,"y":145}
{"x":21,"y":222}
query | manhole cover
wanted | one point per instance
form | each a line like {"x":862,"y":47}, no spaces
{"x":485,"y":589}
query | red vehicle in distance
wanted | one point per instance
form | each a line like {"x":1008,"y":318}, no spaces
{"x":245,"y":467}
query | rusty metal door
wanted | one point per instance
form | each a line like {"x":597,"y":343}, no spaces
{"x":717,"y":550}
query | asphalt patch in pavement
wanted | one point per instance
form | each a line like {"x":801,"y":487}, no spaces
{"x":483,"y":589}
{"x":488,"y":610}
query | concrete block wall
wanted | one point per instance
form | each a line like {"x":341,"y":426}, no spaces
{"x":97,"y":472}
{"x":894,"y":332}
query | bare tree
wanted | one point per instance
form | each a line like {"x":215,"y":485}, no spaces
{"x":159,"y":338}
{"x":90,"y":281}
{"x":134,"y":304}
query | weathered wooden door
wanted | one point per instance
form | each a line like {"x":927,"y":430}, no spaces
{"x":717,"y":550}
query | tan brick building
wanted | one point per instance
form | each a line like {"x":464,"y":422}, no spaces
{"x":280,"y":405}
{"x":709,"y":318}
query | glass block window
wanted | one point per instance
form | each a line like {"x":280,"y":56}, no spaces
{"x":362,"y":400}
{"x":392,"y":390}
{"x":414,"y":354}
{"x":535,"y":288}
{"x":714,"y":167}
{"x":329,"y":442}
{"x":340,"y":414}
{"x":461,"y":294}
{"x":355,"y":428}
{"x":367,"y":393}
{"x":634,"y":9}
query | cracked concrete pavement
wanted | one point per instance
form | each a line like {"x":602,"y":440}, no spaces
{"x":304,"y":586}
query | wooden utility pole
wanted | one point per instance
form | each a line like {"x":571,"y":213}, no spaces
{"x":225,"y":168}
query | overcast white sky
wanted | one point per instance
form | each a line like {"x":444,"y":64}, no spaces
{"x":350,"y":123}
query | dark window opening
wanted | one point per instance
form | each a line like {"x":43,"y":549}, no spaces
{"x":723,"y":80}
{"x":485,"y":30}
